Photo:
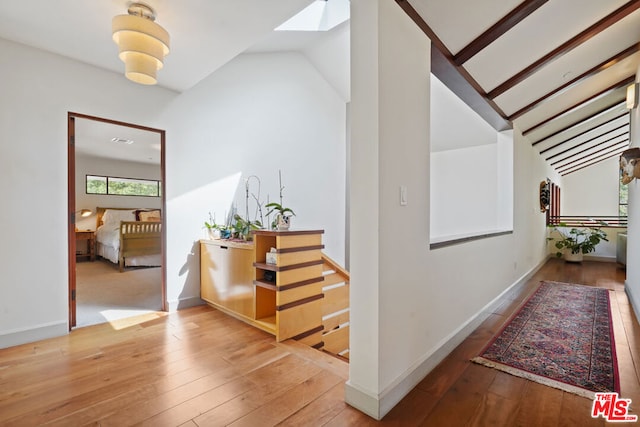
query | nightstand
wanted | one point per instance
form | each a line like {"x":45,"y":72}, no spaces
{"x":88,"y":240}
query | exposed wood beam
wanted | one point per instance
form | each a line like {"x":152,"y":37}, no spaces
{"x":624,"y":134}
{"x":509,"y":21}
{"x":456,"y":78}
{"x":572,"y":161}
{"x":581,"y":123}
{"x":576,"y":41}
{"x":595,"y":161}
{"x":583,"y":142}
{"x":583,"y":103}
{"x":581,"y":78}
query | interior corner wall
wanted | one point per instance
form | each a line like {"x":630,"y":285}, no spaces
{"x":33,"y":176}
{"x":591,"y":191}
{"x":255,"y":116}
{"x":411,"y":306}
{"x":633,"y":230}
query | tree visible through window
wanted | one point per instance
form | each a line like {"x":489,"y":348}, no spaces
{"x":623,"y":199}
{"x":122,"y":186}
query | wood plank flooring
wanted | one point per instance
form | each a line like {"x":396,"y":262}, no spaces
{"x":199,"y":367}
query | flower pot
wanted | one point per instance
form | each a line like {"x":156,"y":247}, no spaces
{"x":283,"y":222}
{"x":571,"y":257}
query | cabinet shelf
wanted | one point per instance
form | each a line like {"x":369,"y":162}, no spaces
{"x":272,"y":267}
{"x":264,"y":284}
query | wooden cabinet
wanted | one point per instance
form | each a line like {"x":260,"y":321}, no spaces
{"x":89,"y":239}
{"x":284,"y":297}
{"x":226,"y":276}
{"x":289,"y":291}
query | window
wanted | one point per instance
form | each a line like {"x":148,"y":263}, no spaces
{"x":122,"y":186}
{"x":623,"y":199}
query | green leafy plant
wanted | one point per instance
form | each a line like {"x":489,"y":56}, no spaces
{"x":577,"y":240}
{"x":242,"y":228}
{"x":282,"y":212}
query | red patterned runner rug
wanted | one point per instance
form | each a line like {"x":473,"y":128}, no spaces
{"x":562,"y":336}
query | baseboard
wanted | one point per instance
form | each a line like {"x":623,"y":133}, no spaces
{"x":600,"y":258}
{"x":378,"y":407}
{"x":362,"y":401}
{"x":36,"y":333}
{"x":635,"y":302}
{"x":182,"y":303}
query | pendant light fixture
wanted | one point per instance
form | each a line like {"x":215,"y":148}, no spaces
{"x":143,"y":43}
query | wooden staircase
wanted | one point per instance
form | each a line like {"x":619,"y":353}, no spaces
{"x":335,"y":309}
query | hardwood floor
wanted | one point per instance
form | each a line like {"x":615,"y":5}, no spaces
{"x":199,"y":367}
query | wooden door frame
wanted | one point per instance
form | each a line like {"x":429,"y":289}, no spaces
{"x":71,"y":191}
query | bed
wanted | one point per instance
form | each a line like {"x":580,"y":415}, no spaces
{"x":129,"y":237}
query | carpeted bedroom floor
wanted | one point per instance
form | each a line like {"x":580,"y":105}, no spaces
{"x":104,"y":294}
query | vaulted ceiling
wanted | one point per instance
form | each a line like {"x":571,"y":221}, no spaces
{"x":557,"y":70}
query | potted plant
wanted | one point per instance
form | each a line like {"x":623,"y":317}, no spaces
{"x":575,"y":242}
{"x":282,"y":220}
{"x":214,"y":230}
{"x":242,"y":227}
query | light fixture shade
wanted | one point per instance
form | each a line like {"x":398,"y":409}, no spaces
{"x":632,"y":96}
{"x":142,"y":43}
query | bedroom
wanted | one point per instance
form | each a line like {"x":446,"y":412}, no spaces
{"x":129,"y":160}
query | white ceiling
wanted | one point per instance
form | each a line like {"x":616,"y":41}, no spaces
{"x":555,"y":69}
{"x":205,"y":34}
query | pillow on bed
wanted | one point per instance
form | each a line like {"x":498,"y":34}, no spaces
{"x":114,"y":216}
{"x":151,"y":215}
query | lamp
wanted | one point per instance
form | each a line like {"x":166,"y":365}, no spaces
{"x":83,"y":213}
{"x":632,"y":96}
{"x":143,"y":43}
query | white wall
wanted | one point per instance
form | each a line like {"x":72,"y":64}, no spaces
{"x":633,"y":231}
{"x":592,"y":190}
{"x":471,"y":170}
{"x":258,"y":114}
{"x":464,"y":196}
{"x":410,"y":306}
{"x":38,"y":89}
{"x":89,"y":165}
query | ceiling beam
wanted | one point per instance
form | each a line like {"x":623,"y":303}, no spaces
{"x":581,"y":78}
{"x":456,"y":78}
{"x":581,"y":123}
{"x":582,"y":104}
{"x":509,"y":21}
{"x":626,"y":125}
{"x":597,"y":160}
{"x":615,"y":144}
{"x":625,"y":134}
{"x":566,"y":47}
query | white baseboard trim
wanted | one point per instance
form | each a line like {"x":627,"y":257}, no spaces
{"x":378,"y":406}
{"x":600,"y":258}
{"x":179,"y":304}
{"x":635,"y":302}
{"x":35,"y":333}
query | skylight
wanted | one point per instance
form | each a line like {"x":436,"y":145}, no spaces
{"x":321,"y":15}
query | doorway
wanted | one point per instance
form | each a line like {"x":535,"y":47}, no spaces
{"x":108,"y":133}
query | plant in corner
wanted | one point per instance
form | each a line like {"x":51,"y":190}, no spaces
{"x":575,"y":242}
